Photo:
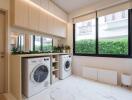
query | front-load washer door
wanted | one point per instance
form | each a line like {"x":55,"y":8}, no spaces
{"x":67,"y":66}
{"x":39,"y":74}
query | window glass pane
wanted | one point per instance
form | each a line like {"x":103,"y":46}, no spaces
{"x":37,"y":43}
{"x":113,"y":33}
{"x":31,"y":43}
{"x":85,"y":37}
{"x":47,"y":44}
{"x":20,"y":45}
{"x":22,"y":42}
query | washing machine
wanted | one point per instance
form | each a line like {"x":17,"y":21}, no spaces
{"x":65,"y":66}
{"x":35,"y":75}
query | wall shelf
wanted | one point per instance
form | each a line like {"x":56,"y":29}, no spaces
{"x":55,"y":61}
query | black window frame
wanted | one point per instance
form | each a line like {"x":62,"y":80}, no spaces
{"x":108,"y":55}
{"x":41,"y":41}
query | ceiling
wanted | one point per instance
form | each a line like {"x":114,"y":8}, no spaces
{"x":72,"y":5}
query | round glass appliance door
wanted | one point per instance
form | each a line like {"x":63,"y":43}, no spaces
{"x":40,"y":74}
{"x":67,"y":65}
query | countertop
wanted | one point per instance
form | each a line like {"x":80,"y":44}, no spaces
{"x":38,"y":55}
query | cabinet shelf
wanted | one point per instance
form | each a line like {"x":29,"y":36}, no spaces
{"x":55,"y":61}
{"x":55,"y":70}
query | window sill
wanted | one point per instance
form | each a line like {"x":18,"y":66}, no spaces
{"x":103,"y":55}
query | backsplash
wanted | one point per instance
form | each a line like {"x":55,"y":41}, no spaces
{"x":17,"y":33}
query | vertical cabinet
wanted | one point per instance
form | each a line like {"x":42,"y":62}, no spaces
{"x":63,"y":30}
{"x":60,"y":28}
{"x":33,"y":18}
{"x":20,"y":13}
{"x":56,"y":27}
{"x":51,"y":21}
{"x":43,"y":22}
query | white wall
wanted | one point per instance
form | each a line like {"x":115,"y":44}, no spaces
{"x":118,"y":64}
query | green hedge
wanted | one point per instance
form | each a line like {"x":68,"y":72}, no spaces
{"x":46,"y":48}
{"x":85,"y":46}
{"x":118,"y":46}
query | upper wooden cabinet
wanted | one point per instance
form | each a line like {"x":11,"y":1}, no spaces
{"x":60,"y":28}
{"x":20,"y":13}
{"x":30,"y":17}
{"x":51,"y":7}
{"x":51,"y":25}
{"x":34,"y":14}
{"x":43,"y":22}
{"x":63,"y":30}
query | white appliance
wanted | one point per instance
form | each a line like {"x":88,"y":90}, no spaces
{"x":65,"y":66}
{"x":35,"y":75}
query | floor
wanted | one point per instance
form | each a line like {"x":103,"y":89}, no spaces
{"x":76,"y":88}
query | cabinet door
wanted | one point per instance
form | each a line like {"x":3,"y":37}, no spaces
{"x":51,"y":21}
{"x":63,"y":29}
{"x":43,"y":22}
{"x":60,"y":29}
{"x":20,"y":13}
{"x":33,"y":18}
{"x":57,"y":27}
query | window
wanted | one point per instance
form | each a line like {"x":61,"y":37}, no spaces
{"x":109,"y":34}
{"x":85,"y":37}
{"x":113,"y":36}
{"x":41,"y":43}
{"x":37,"y":43}
{"x":20,"y":42}
{"x":32,"y":37}
{"x":47,"y":44}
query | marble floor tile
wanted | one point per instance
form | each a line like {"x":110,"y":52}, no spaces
{"x":76,"y":88}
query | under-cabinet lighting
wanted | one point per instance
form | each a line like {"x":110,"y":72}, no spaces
{"x":44,"y":10}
